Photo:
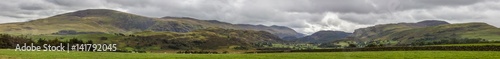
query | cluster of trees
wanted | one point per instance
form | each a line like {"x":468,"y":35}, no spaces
{"x":374,"y":45}
{"x":263,"y":44}
{"x":329,"y":45}
{"x":428,"y":41}
{"x":57,"y":41}
{"x":10,"y":41}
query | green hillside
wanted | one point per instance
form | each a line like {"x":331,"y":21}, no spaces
{"x":204,"y":39}
{"x":444,"y":32}
{"x":377,"y":31}
{"x":111,"y":21}
{"x":411,"y":34}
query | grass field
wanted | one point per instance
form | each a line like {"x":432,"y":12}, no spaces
{"x":470,"y":44}
{"x":11,"y":54}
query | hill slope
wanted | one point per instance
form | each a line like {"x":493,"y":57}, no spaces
{"x":366,"y":34}
{"x":111,"y":21}
{"x":450,"y":32}
{"x":423,"y":33}
{"x":202,"y":39}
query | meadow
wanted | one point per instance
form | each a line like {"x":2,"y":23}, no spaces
{"x":470,"y":44}
{"x":11,"y":54}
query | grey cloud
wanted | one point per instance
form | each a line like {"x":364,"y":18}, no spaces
{"x":78,"y":3}
{"x":447,"y":2}
{"x":366,"y":6}
{"x":483,"y":12}
{"x":31,"y":7}
{"x":360,"y":19}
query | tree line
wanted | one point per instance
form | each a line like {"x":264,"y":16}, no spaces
{"x":10,"y":41}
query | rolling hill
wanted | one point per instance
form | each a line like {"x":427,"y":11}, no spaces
{"x":369,"y":33}
{"x":139,"y":33}
{"x":428,"y":32}
{"x":111,"y":21}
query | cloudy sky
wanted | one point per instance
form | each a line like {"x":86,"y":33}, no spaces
{"x":305,"y":16}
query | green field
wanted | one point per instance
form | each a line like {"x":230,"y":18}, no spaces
{"x":11,"y":54}
{"x":470,"y":44}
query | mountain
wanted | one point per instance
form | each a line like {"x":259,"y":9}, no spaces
{"x":280,"y":31}
{"x":111,"y":21}
{"x":423,"y":33}
{"x":323,"y":37}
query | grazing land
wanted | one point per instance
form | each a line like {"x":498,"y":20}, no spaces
{"x":470,"y":44}
{"x":11,"y":54}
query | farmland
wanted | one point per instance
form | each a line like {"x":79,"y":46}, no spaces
{"x":470,"y":44}
{"x":5,"y":53}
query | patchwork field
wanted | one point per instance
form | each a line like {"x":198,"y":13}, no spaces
{"x":11,"y":54}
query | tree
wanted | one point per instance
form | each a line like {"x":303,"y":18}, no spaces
{"x":8,"y":41}
{"x":352,"y":45}
{"x":90,"y":42}
{"x":103,"y":38}
{"x":54,"y":42}
{"x":372,"y":45}
{"x":41,"y":41}
{"x":225,"y":52}
{"x":75,"y":41}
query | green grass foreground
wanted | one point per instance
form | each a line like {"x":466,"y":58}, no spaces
{"x":470,"y":44}
{"x":11,"y":54}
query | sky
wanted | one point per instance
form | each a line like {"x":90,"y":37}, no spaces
{"x":304,"y":16}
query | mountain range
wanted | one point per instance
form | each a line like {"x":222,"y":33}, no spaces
{"x":147,"y":33}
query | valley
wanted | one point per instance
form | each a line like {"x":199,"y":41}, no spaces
{"x":180,"y":37}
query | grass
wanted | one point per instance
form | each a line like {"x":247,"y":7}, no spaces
{"x":4,"y":54}
{"x":471,"y":44}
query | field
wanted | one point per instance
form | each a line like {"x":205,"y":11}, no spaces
{"x":11,"y":54}
{"x":470,"y":44}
